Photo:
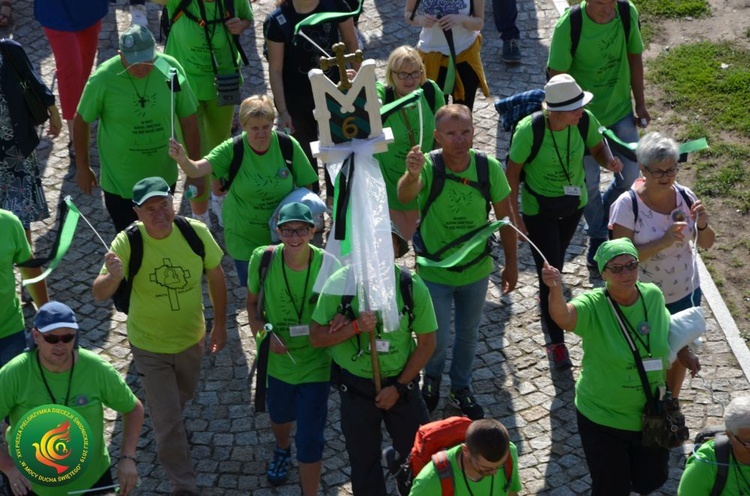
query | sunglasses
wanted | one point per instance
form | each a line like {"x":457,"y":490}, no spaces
{"x":52,"y":339}
{"x":616,"y":269}
{"x":288,"y":232}
{"x":658,"y":173}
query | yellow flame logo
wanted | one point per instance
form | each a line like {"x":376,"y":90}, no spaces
{"x":53,"y":447}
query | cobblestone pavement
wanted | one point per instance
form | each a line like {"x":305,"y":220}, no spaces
{"x":512,"y":379}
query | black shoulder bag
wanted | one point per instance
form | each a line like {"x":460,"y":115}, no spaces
{"x":663,"y":421}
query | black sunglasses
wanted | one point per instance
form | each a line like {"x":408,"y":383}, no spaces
{"x":52,"y":339}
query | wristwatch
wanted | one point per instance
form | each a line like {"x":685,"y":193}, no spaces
{"x":403,"y":388}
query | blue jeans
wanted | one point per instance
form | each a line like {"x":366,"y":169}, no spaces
{"x":597,"y":208}
{"x":469,"y":302}
{"x":11,"y":346}
{"x":505,"y":13}
{"x":242,"y":271}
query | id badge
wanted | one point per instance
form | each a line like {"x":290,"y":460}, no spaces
{"x":299,"y":330}
{"x":382,"y":346}
{"x":572,"y":190}
{"x":653,"y":365}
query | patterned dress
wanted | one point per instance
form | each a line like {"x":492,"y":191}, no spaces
{"x":21,"y":189}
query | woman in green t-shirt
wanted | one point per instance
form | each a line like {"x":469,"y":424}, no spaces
{"x":610,"y":396}
{"x":554,"y":192}
{"x":262,"y":180}
{"x":404,"y":74}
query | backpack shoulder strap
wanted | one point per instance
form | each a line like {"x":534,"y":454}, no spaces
{"x":538,"y":125}
{"x":265,"y":264}
{"x":444,"y":471}
{"x":483,"y":175}
{"x":634,"y":204}
{"x":287,"y":149}
{"x":390,"y":95}
{"x":624,"y":7}
{"x":181,"y":8}
{"x":583,"y":126}
{"x":406,"y":285}
{"x":722,"y":449}
{"x":135,"y":238}
{"x":576,"y":22}
{"x":429,"y":95}
{"x":685,"y":195}
{"x":438,"y":180}
{"x":188,"y":232}
{"x":238,"y":152}
{"x":508,"y":470}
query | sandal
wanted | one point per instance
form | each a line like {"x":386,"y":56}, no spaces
{"x":278,"y":470}
{"x":6,"y":13}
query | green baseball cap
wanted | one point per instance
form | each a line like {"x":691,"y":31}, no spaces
{"x":137,"y":44}
{"x":148,"y":188}
{"x":295,"y":212}
{"x":614,"y":248}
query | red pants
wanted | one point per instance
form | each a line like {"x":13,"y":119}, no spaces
{"x":74,"y":57}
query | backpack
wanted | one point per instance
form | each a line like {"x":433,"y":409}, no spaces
{"x":538,"y":126}
{"x":576,"y":22}
{"x":264,"y":348}
{"x":238,"y":153}
{"x":722,"y":449}
{"x":634,"y":203}
{"x":121,"y":296}
{"x":406,"y":285}
{"x":287,"y":27}
{"x":482,"y":184}
{"x":166,"y":21}
{"x":430,"y":445}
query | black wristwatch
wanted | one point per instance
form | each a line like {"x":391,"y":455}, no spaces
{"x":403,"y":388}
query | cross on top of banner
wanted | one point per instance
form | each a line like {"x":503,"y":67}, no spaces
{"x":340,"y":59}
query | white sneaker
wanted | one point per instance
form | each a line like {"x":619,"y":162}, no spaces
{"x":138,"y":15}
{"x":217,"y":202}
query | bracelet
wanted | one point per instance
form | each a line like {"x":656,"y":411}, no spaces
{"x":356,"y":327}
{"x":702,"y":228}
{"x":129,"y":457}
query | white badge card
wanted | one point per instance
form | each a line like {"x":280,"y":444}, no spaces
{"x":299,"y":330}
{"x":653,"y":365}
{"x":382,"y":346}
{"x":572,"y":190}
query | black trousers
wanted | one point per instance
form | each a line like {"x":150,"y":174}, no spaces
{"x":361,"y":424}
{"x":121,"y":209}
{"x":618,"y":462}
{"x":470,"y":80}
{"x":552,"y":237}
{"x":306,"y":131}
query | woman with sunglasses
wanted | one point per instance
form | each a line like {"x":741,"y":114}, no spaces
{"x":404,"y":74}
{"x":298,"y":374}
{"x":661,"y":217}
{"x":610,"y":398}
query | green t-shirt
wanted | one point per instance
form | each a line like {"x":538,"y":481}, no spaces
{"x":14,"y":249}
{"x":458,"y":209}
{"x":609,"y":390}
{"x":262,"y":181}
{"x":187,"y":43}
{"x":393,"y":162}
{"x":559,"y":162}
{"x":133,"y":135}
{"x":290,"y":301}
{"x":600,"y":64}
{"x":427,"y":483}
{"x":166,"y":304}
{"x":401,"y":343}
{"x":95,"y":384}
{"x":700,"y":474}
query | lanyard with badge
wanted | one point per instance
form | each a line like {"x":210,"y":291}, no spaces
{"x":568,"y":189}
{"x":299,"y":329}
{"x":644,"y":329}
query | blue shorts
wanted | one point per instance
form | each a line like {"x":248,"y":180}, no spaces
{"x":307,"y":404}
{"x":686,"y":302}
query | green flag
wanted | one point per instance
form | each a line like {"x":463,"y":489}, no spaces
{"x":326,"y":17}
{"x":456,"y":258}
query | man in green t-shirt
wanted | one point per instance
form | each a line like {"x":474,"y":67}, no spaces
{"x":705,"y":464}
{"x":131,"y":97}
{"x":15,"y":250}
{"x":608,"y":63}
{"x":166,"y":325}
{"x":477,"y":466}
{"x":460,"y":208}
{"x":398,"y":404}
{"x":58,"y":372}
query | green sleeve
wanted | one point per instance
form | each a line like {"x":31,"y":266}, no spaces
{"x":499,"y":187}
{"x":302,"y":170}
{"x":116,"y":394}
{"x":253,"y":276}
{"x":90,"y":104}
{"x":439,"y":97}
{"x":23,"y":250}
{"x":243,"y":9}
{"x":586,"y":309}
{"x":559,"y":49}
{"x":699,"y":476}
{"x":220,"y":157}
{"x":9,"y":390}
{"x":593,"y":137}
{"x":214,"y":253}
{"x":427,"y":482}
{"x":635,"y":42}
{"x":515,"y":483}
{"x":520,"y":148}
{"x":328,"y":302}
{"x":120,"y":247}
{"x":425,"y":321}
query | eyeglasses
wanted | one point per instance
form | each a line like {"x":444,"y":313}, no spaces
{"x":52,"y":339}
{"x":657,"y":173}
{"x":616,"y":269}
{"x":745,"y":444}
{"x":481,"y":468}
{"x":288,"y":232}
{"x":409,"y":75}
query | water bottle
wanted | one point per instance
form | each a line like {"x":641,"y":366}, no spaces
{"x":191,"y":192}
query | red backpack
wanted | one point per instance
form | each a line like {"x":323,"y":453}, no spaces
{"x":432,"y":441}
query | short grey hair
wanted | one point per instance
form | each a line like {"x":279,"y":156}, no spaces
{"x":737,"y":414}
{"x":654,"y":148}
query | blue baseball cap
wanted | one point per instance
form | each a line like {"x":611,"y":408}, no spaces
{"x":54,"y":315}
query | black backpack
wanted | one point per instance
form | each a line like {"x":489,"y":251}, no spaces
{"x":576,"y":22}
{"x":121,"y":296}
{"x":538,"y":126}
{"x":406,"y":285}
{"x":238,"y":153}
{"x":722,"y":449}
{"x":264,"y":348}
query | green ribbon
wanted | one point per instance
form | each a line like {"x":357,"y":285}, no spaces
{"x":479,"y":239}
{"x":163,"y":67}
{"x":694,"y":146}
{"x":326,"y":17}
{"x":66,"y":233}
{"x":688,"y":147}
{"x":404,"y":101}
